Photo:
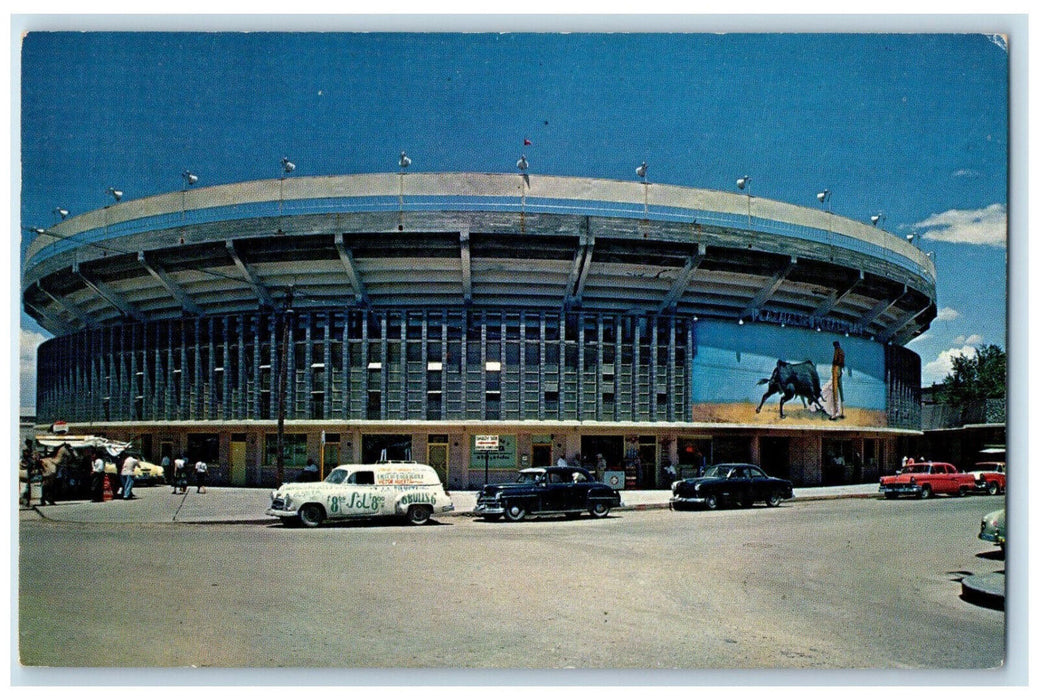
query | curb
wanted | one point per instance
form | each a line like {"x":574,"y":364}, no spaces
{"x":41,"y":513}
{"x":987,"y":590}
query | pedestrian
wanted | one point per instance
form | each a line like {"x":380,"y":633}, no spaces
{"x":201,"y":472}
{"x":310,"y":471}
{"x":130,"y":464}
{"x":97,"y":477}
{"x":600,"y":466}
{"x":166,"y":463}
{"x":561,"y":462}
{"x":180,"y":475}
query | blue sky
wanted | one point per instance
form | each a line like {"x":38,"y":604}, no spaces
{"x":911,"y":125}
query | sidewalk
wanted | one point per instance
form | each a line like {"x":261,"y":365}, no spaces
{"x":158,"y":504}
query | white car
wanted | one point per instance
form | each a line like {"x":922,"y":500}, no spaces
{"x":404,"y":489}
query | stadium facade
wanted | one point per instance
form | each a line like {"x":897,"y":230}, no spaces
{"x":403,"y":315}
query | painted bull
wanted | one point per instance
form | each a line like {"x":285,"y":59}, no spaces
{"x":793,"y":379}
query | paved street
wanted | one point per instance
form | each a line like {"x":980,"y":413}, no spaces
{"x":851,"y":583}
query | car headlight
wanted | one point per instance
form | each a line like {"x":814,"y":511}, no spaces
{"x":274,"y":494}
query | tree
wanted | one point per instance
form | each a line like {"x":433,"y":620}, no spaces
{"x":980,"y":376}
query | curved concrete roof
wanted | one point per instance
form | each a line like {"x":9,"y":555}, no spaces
{"x":475,"y":238}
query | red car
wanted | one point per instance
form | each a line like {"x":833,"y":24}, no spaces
{"x":925,"y":479}
{"x":990,"y":477}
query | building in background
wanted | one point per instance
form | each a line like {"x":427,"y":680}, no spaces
{"x":411,"y":313}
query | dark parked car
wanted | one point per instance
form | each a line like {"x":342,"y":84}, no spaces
{"x":730,"y":484}
{"x":569,"y":491}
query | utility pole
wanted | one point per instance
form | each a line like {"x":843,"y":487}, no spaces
{"x":283,"y":362}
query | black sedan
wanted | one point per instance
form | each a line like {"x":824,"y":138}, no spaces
{"x":730,"y":484}
{"x":567,"y":491}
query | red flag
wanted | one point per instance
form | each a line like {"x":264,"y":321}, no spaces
{"x":526,"y":142}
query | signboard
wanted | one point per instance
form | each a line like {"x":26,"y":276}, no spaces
{"x":504,"y":456}
{"x":486,"y":443}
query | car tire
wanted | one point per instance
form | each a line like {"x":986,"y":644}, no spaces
{"x":311,"y":515}
{"x":710,"y":502}
{"x":419,"y":515}
{"x":992,"y":488}
{"x":926,"y":492}
{"x":963,"y":491}
{"x":774,"y":499}
{"x":599,"y":510}
{"x":514,"y":512}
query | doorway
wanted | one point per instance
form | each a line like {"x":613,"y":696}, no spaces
{"x":238,"y":459}
{"x":438,"y":456}
{"x":541,"y":455}
{"x":775,"y":456}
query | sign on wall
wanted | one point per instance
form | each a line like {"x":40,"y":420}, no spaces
{"x":502,"y":457}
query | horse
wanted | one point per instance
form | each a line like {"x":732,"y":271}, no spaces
{"x":48,"y":470}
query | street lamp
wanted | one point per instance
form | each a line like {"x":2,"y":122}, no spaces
{"x":742,"y":184}
{"x":190,"y":178}
{"x":641,"y":171}
{"x":911,"y":237}
{"x":61,"y":213}
{"x":116,"y":194}
{"x":824,"y":198}
{"x":287,"y":167}
{"x":878,"y":219}
{"x":404,"y":161}
{"x":282,"y":375}
{"x":522,"y":163}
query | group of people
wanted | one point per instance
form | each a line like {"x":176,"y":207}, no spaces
{"x":180,"y":473}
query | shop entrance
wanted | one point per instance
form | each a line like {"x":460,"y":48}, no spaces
{"x":775,"y":456}
{"x":541,"y":455}
{"x":611,"y":447}
{"x":840,"y":462}
{"x":385,"y":448}
{"x":437,"y":456}
{"x":237,"y":461}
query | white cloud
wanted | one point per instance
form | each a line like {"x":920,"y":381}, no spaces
{"x":973,"y":340}
{"x":30,"y":340}
{"x":947,"y":314}
{"x":938,"y":369}
{"x":986,"y":226}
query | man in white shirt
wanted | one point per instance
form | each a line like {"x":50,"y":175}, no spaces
{"x":97,"y":477}
{"x":201,"y":472}
{"x":130,"y":464}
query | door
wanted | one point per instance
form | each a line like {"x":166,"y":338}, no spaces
{"x":331,"y":458}
{"x":541,"y":455}
{"x":437,"y":456}
{"x":238,"y":462}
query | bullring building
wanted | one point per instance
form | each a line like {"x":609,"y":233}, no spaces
{"x":402,"y":316}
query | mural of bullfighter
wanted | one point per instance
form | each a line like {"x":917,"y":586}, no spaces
{"x":793,"y":379}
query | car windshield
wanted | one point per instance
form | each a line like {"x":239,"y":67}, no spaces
{"x":529,"y":477}
{"x":336,"y":476}
{"x":720,"y":472}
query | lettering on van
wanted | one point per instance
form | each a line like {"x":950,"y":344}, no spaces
{"x":356,"y":501}
{"x":418,"y":497}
